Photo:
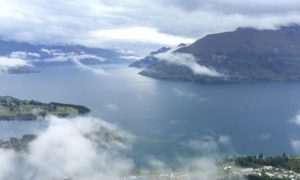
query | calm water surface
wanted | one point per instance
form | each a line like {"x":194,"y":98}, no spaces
{"x":165,"y":116}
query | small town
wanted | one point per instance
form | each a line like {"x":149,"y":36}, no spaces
{"x":225,"y":173}
{"x":265,"y":171}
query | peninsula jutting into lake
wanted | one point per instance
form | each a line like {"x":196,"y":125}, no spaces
{"x":15,"y":109}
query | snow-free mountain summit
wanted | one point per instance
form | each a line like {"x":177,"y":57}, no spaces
{"x":246,"y":55}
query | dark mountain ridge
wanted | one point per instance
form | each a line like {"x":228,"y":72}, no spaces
{"x":149,"y":59}
{"x":245,"y":55}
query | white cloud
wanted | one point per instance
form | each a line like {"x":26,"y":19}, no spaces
{"x":141,"y":34}
{"x":112,"y":107}
{"x":62,"y":57}
{"x":24,"y":55}
{"x":7,"y":158}
{"x":189,"y":61}
{"x":11,"y":62}
{"x":7,"y":63}
{"x":236,"y":6}
{"x":156,"y":164}
{"x":224,"y":140}
{"x":87,"y":148}
{"x":76,"y":59}
{"x":96,"y":71}
{"x":122,"y":23}
{"x":264,"y":136}
{"x":296,"y":119}
{"x":295,"y":143}
{"x":132,"y":57}
{"x":209,"y":144}
{"x":182,"y":93}
{"x":78,"y":148}
{"x":205,"y":145}
{"x":186,"y":94}
{"x":200,"y":167}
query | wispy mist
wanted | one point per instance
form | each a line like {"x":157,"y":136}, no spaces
{"x":76,"y":148}
{"x":188,"y":60}
{"x":77,"y":59}
{"x":295,"y":143}
{"x":84,"y":148}
{"x":209,"y":145}
{"x":97,"y":71}
{"x":296,"y":119}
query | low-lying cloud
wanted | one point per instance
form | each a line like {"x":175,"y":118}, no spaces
{"x":9,"y":63}
{"x":295,"y":143}
{"x":209,"y":144}
{"x":296,"y":119}
{"x":201,"y":168}
{"x":20,"y":59}
{"x":7,"y":159}
{"x":96,"y":71}
{"x":75,"y":58}
{"x":187,"y":94}
{"x":264,"y":136}
{"x":112,"y":107}
{"x":181,"y":93}
{"x":188,"y":60}
{"x":71,"y":148}
{"x":84,"y":148}
{"x":59,"y":56}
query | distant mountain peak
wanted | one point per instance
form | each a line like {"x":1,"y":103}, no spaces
{"x":149,"y":59}
{"x":161,"y":50}
{"x":243,"y":55}
{"x":181,"y":45}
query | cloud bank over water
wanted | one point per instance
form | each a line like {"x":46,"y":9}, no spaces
{"x":209,"y":145}
{"x":88,"y":148}
{"x":77,"y":59}
{"x":188,"y":60}
{"x":22,"y":59}
{"x":78,"y":148}
{"x":96,"y":71}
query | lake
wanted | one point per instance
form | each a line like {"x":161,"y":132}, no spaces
{"x":168,"y":118}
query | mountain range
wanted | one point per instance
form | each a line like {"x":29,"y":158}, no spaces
{"x":45,"y":55}
{"x":245,"y":55}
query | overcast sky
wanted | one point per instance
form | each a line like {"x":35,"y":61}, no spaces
{"x":136,"y":24}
